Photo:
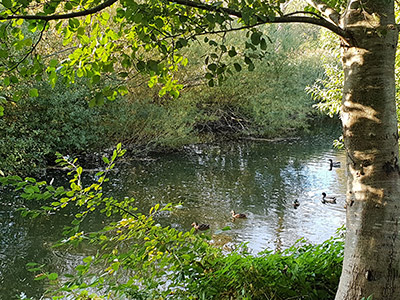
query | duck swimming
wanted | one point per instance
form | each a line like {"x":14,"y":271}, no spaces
{"x":333,"y":164}
{"x":238,"y":216}
{"x":328,"y":199}
{"x":200,"y":227}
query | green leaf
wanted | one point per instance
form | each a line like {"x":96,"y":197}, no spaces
{"x":14,"y":79}
{"x":33,"y":92}
{"x":159,"y":23}
{"x":152,"y":65}
{"x":255,"y":38}
{"x":68,"y":6}
{"x":212,"y":67}
{"x":87,"y":259}
{"x":238,"y":67}
{"x":3,"y":53}
{"x":92,"y":102}
{"x":40,"y":277}
{"x":141,"y":65}
{"x":263,"y":44}
{"x":232,"y":52}
{"x":53,"y":276}
{"x":96,"y":79}
{"x":73,"y":24}
{"x":209,"y":76}
{"x":79,"y":170}
{"x":53,"y":63}
{"x":7,"y":3}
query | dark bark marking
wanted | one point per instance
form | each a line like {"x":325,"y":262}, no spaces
{"x":362,"y":169}
{"x":392,"y":165}
{"x":393,"y":273}
{"x":368,"y":275}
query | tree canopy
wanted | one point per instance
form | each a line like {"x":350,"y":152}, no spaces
{"x":125,"y":38}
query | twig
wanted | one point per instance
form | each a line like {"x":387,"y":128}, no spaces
{"x":31,"y":50}
{"x":127,"y":211}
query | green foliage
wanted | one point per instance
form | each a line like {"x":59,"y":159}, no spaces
{"x":247,"y":103}
{"x":303,"y":271}
{"x":137,"y":258}
{"x":147,"y":125}
{"x":35,"y":128}
{"x":328,"y":90}
{"x":126,"y":39}
{"x":268,"y":101}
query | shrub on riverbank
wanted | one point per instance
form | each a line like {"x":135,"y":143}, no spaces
{"x":33,"y":129}
{"x":303,"y":271}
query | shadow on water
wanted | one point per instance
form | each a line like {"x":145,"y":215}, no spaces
{"x":261,"y":179}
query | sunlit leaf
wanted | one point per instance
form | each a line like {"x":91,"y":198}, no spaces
{"x":33,"y":92}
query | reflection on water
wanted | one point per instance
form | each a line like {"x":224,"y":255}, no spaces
{"x":257,"y":178}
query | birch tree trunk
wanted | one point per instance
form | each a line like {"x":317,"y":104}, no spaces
{"x":372,"y":249}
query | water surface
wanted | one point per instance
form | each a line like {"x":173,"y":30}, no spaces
{"x":258,"y":178}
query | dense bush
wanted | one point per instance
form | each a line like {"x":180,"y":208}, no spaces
{"x":268,"y":101}
{"x":33,"y":129}
{"x":145,"y":125}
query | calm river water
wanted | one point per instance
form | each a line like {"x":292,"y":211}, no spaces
{"x":261,"y":179}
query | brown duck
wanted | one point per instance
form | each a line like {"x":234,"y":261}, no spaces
{"x":200,"y":227}
{"x":238,"y":216}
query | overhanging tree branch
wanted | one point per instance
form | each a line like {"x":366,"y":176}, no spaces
{"x":265,"y":19}
{"x":81,"y":13}
{"x":213,"y":8}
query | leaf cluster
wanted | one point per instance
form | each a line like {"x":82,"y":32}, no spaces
{"x":126,"y":39}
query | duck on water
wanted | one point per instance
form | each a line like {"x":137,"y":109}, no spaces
{"x":328,"y":199}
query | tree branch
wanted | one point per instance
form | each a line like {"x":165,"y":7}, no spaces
{"x":265,"y":20}
{"x":327,"y":11}
{"x":62,"y":16}
{"x":331,"y":25}
{"x":31,"y":50}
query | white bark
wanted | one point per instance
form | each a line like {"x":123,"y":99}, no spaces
{"x":372,"y":249}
